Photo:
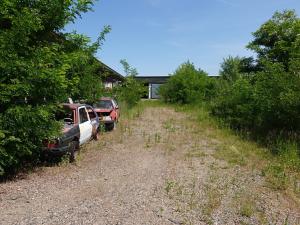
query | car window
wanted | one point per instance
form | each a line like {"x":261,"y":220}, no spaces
{"x":91,"y":113}
{"x":65,"y":114}
{"x":83,"y":115}
{"x":103,"y":104}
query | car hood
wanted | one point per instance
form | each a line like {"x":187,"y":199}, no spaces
{"x":103,"y":110}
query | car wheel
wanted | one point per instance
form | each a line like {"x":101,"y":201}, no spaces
{"x":72,"y":149}
{"x":96,"y":135}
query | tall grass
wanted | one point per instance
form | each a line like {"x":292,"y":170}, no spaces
{"x":281,"y":170}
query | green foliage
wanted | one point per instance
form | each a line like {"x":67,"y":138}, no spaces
{"x":186,"y":85}
{"x":259,"y":97}
{"x":277,"y":99}
{"x":129,"y":71}
{"x":230,"y":69}
{"x":25,"y":128}
{"x":131,"y":90}
{"x":278,"y":39}
{"x":266,"y":98}
{"x":234,"y":103}
{"x":40,"y":68}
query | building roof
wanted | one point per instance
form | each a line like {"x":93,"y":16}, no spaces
{"x":108,"y":73}
{"x":152,"y":79}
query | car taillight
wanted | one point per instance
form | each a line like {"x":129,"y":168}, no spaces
{"x":51,"y":143}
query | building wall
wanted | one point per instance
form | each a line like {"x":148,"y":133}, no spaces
{"x":108,"y":85}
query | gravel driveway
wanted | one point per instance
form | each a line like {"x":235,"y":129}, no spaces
{"x":159,"y":169}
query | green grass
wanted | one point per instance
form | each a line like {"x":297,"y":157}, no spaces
{"x":136,"y":111}
{"x":281,"y":171}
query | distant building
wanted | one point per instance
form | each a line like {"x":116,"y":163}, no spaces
{"x":109,"y":77}
{"x":153,"y":83}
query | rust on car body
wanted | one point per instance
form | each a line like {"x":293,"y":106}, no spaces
{"x":80,"y":124}
{"x":108,"y":112}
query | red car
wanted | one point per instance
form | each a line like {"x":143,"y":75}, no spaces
{"x":108,"y":112}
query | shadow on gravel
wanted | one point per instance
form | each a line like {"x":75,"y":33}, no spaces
{"x":30,"y":168}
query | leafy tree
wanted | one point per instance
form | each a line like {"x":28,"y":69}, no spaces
{"x":268,"y":100}
{"x":278,"y":39}
{"x":186,"y":85}
{"x":39,"y":68}
{"x":131,"y":90}
{"x":129,"y":71}
{"x":85,"y":67}
{"x":230,"y":69}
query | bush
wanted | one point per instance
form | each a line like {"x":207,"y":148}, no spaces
{"x":130,"y":91}
{"x":277,"y":99}
{"x":39,"y":68}
{"x":24,"y":130}
{"x":235,"y":104}
{"x":186,"y":85}
{"x":266,"y":97}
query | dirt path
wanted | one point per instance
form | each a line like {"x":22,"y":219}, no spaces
{"x":159,"y":169}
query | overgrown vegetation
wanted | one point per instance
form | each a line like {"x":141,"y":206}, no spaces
{"x":130,"y":91}
{"x":41,"y":67}
{"x":187,"y":85}
{"x":259,"y":98}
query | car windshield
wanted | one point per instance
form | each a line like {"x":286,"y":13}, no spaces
{"x":65,"y":114}
{"x":103,"y":104}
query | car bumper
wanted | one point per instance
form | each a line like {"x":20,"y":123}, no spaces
{"x":59,"y":151}
{"x":107,"y":121}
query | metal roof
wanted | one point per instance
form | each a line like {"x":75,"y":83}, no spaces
{"x":152,"y":79}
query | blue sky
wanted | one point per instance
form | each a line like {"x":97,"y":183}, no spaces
{"x":156,"y":36}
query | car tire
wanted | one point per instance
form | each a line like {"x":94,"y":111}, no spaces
{"x":72,"y":150}
{"x":96,"y":135}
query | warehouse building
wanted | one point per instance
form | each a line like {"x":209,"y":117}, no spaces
{"x":153,"y":83}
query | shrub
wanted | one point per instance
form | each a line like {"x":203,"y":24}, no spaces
{"x":130,"y":91}
{"x":234,"y":103}
{"x":277,"y":99}
{"x":186,"y":85}
{"x":39,"y":68}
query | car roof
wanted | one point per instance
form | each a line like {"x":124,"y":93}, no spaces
{"x":72,"y":106}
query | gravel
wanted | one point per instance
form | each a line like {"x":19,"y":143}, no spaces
{"x":141,"y":174}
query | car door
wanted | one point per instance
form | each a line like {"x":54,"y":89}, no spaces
{"x":116,"y":108}
{"x":85,"y":125}
{"x":93,"y":118}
